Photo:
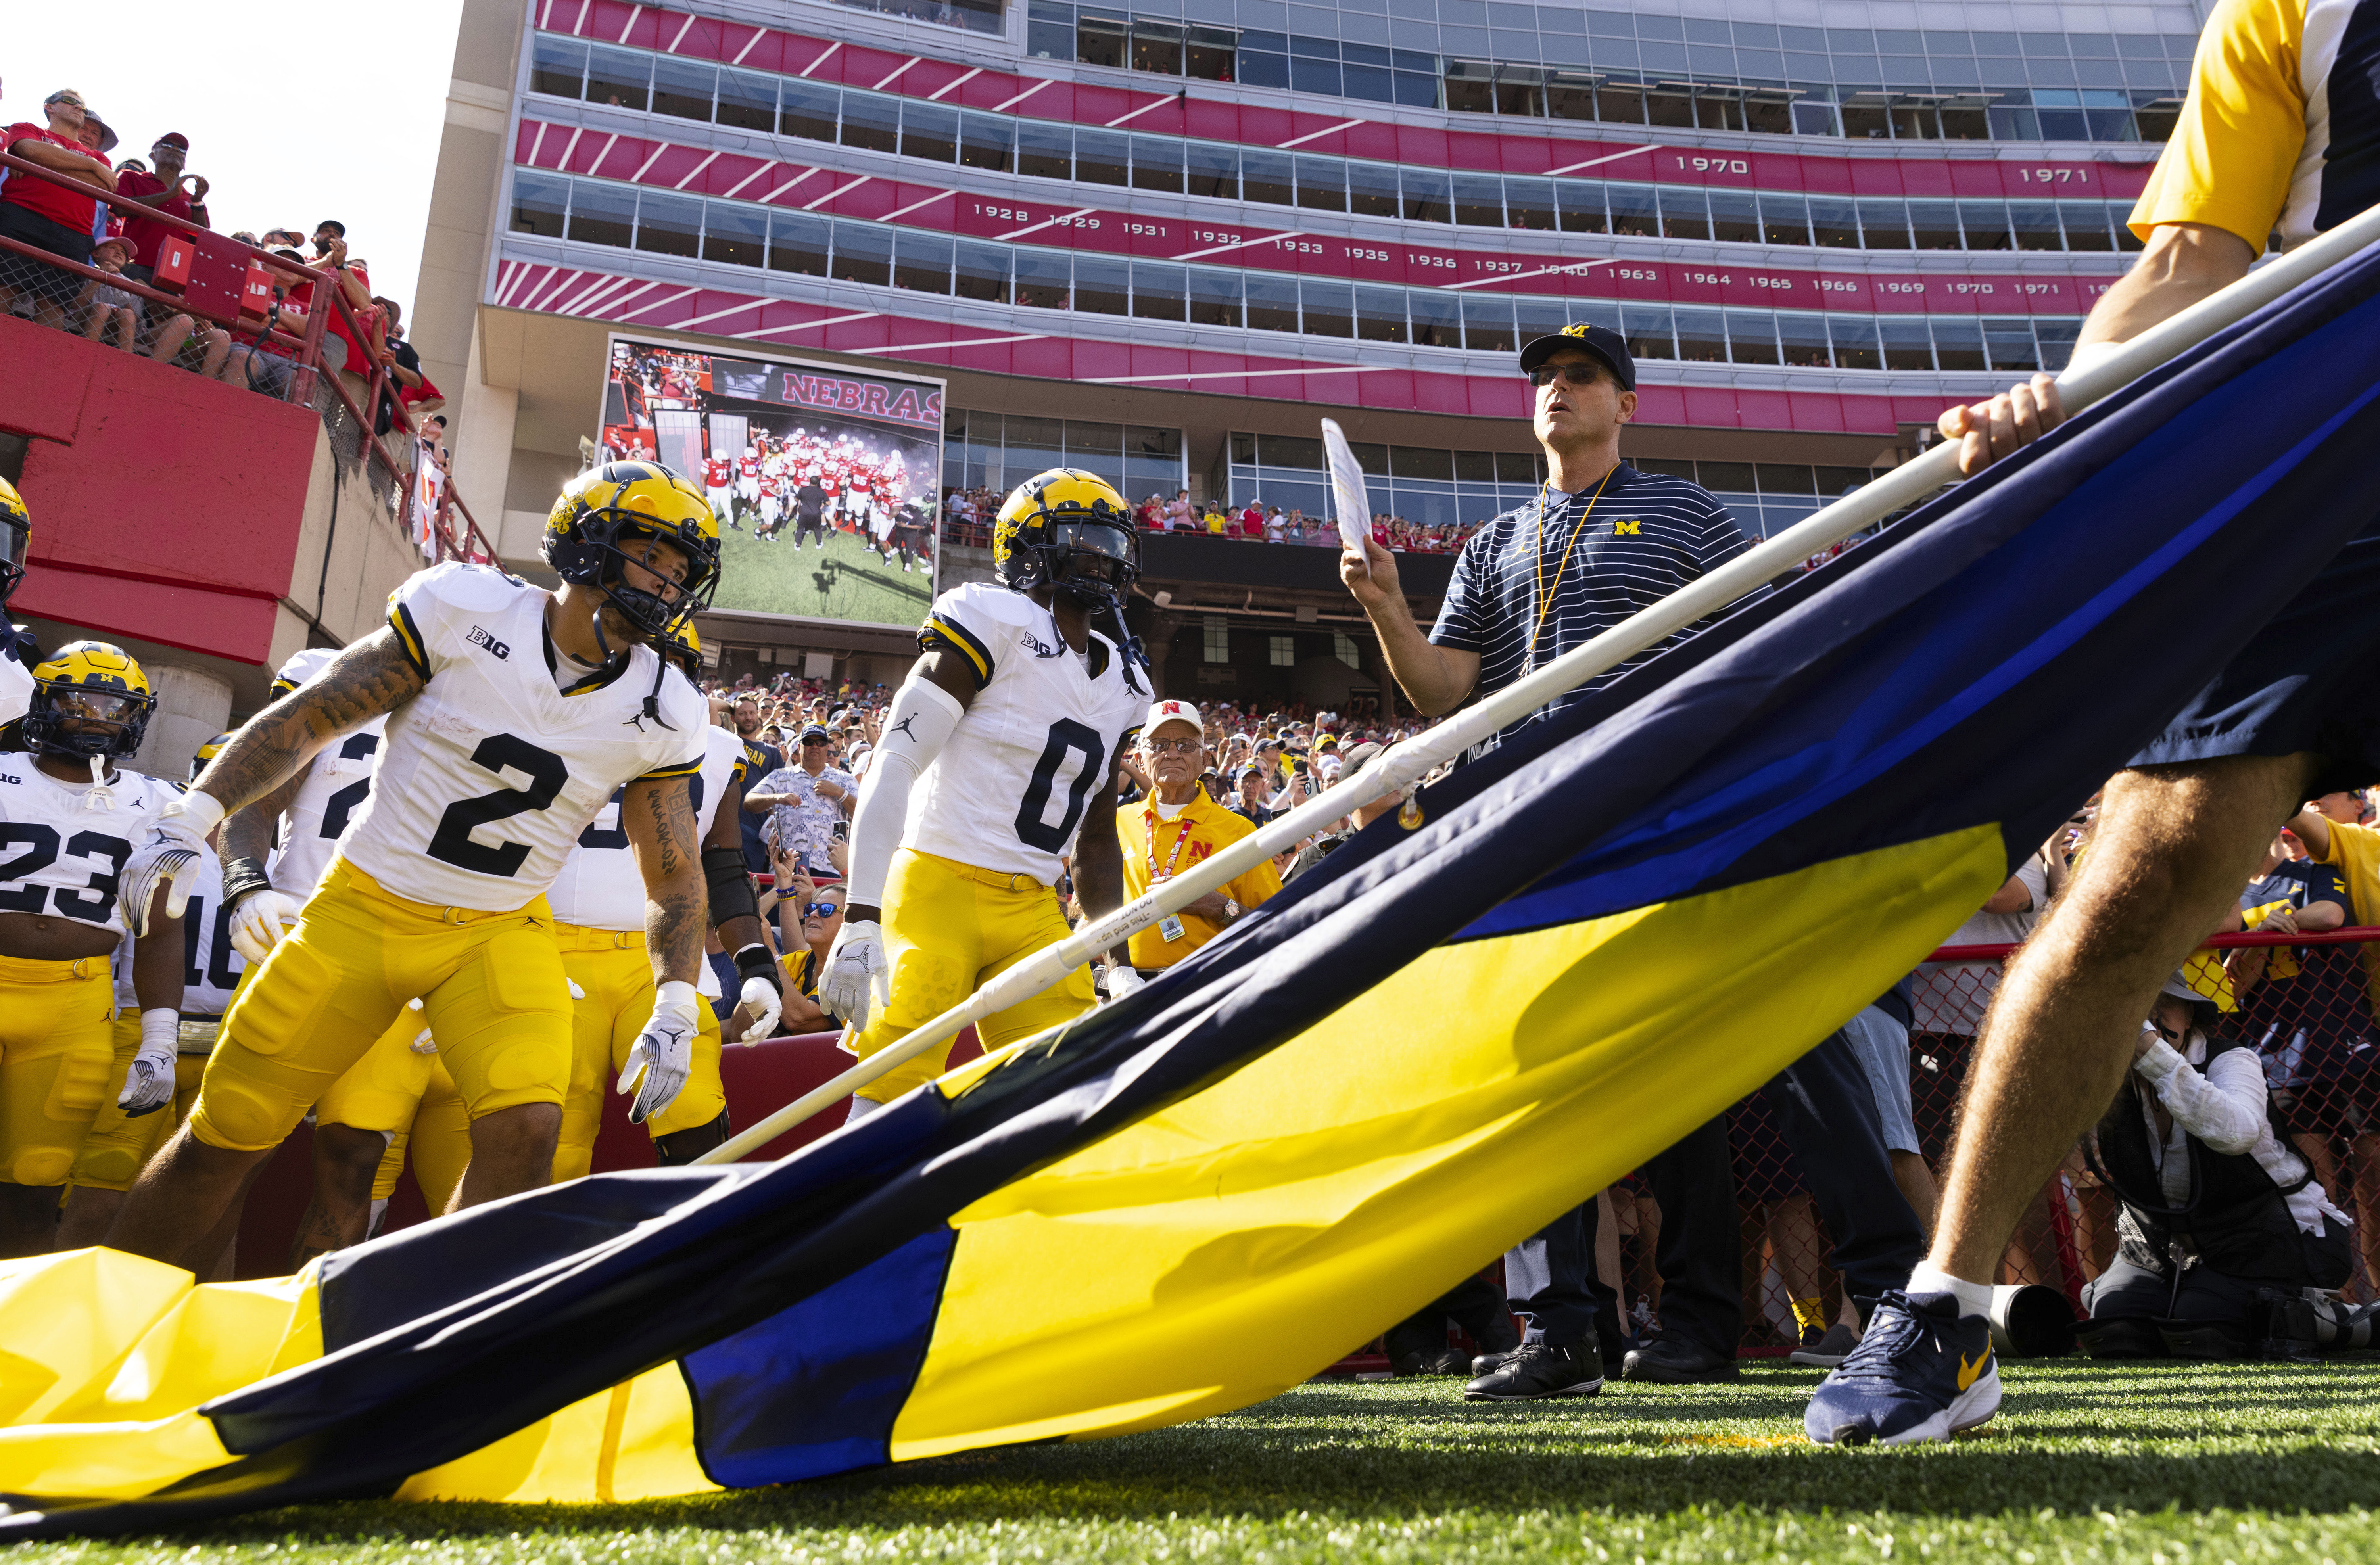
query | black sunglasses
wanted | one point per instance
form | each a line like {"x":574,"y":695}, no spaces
{"x":1574,"y":374}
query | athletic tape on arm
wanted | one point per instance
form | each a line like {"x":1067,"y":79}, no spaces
{"x":924,"y":716}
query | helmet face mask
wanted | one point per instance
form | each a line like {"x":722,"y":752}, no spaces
{"x":16,"y":538}
{"x":89,"y":700}
{"x":1070,"y":531}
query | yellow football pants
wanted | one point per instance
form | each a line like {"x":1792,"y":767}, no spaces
{"x":612,"y":967}
{"x":948,"y":928}
{"x":411,"y":1099}
{"x":118,"y":1148}
{"x":491,"y":985}
{"x":56,"y":1049}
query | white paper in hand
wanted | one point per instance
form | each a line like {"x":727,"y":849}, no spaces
{"x":1348,"y":496}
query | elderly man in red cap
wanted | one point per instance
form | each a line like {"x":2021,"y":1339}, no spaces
{"x":1179,"y":825}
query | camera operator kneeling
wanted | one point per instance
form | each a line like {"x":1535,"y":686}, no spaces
{"x":2226,"y":1243}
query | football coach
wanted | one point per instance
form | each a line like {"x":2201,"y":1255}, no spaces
{"x":1598,"y":543}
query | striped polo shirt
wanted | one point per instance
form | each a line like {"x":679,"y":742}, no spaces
{"x":1645,"y":537}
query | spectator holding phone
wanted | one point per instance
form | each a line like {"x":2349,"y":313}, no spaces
{"x":178,"y":198}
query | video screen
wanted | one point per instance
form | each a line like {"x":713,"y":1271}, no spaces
{"x":823,"y":479}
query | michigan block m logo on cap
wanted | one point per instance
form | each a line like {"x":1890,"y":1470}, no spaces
{"x":1578,"y":329}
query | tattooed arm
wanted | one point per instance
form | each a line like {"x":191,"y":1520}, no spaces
{"x":659,"y":818}
{"x":249,"y":832}
{"x":371,"y":677}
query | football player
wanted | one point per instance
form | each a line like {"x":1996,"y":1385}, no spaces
{"x":718,"y":479}
{"x":1007,"y":731}
{"x":122,"y":1142}
{"x":598,"y":908}
{"x":73,"y":819}
{"x":395,"y":1098}
{"x":514,"y":714}
{"x":16,"y":538}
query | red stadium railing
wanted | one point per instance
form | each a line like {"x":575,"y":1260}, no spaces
{"x":223,"y":284}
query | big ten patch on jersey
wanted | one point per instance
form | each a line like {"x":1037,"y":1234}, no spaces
{"x":487,"y":776}
{"x":337,"y":782}
{"x":600,"y":886}
{"x":61,"y":851}
{"x":1038,"y":743}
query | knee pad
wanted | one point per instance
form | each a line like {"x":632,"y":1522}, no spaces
{"x":107,"y":1165}
{"x":244,"y":1116}
{"x":38,"y":1166}
{"x":2120,"y":1337}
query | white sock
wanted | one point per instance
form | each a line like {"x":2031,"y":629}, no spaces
{"x":379,"y":1210}
{"x":1974,"y":1298}
{"x":860,"y":1108}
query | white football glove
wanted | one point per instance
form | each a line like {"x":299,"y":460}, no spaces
{"x":149,"y":1085}
{"x":763,"y":992}
{"x":1123,"y":978}
{"x":422,"y":1042}
{"x":258,"y":922}
{"x":663,"y":1052}
{"x":170,"y":857}
{"x":856,"y":973}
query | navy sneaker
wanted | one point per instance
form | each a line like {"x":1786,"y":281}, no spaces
{"x":1923,"y":1372}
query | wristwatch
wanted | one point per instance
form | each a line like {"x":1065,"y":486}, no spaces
{"x":1230,"y":908}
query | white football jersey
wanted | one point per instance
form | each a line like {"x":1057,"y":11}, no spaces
{"x":337,"y":782}
{"x":211,"y":965}
{"x":600,"y":886}
{"x":16,"y":683}
{"x":60,"y":856}
{"x":1039,"y":740}
{"x":487,"y":776}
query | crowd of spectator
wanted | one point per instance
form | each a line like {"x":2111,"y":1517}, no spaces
{"x":68,"y":218}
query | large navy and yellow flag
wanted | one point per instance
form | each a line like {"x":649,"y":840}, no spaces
{"x":1595,"y":939}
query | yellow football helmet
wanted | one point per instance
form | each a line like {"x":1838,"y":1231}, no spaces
{"x":1070,"y":530}
{"x":16,"y":538}
{"x":207,"y":752}
{"x":684,"y":647}
{"x":90,"y":698}
{"x":601,"y":509}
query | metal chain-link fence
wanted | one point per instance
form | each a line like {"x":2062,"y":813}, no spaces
{"x":2303,"y":1003}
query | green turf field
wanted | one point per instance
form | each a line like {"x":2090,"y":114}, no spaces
{"x":847,"y":582}
{"x":2162,"y":1464}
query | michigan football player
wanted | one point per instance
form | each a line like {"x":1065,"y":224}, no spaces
{"x":1006,"y":731}
{"x":16,"y":538}
{"x":123,"y":1140}
{"x":70,"y":818}
{"x":514,"y":715}
{"x":599,"y":907}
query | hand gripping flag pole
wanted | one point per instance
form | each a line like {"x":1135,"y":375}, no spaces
{"x":1407,"y":763}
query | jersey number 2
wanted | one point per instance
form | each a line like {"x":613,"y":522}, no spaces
{"x":452,"y":843}
{"x":1066,"y":737}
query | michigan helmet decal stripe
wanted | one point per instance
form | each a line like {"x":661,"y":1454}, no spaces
{"x":941,"y":632}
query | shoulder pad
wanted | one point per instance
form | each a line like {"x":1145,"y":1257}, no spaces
{"x":985,"y":604}
{"x":482,"y":588}
{"x":303,"y":665}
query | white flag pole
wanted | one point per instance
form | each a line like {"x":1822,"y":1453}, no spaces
{"x":1407,"y":763}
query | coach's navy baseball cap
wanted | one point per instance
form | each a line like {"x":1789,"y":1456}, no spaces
{"x":1600,"y":341}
